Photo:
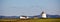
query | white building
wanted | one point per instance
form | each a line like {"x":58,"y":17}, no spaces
{"x":43,"y":14}
{"x":24,"y":17}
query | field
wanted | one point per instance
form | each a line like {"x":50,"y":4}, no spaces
{"x":30,"y":20}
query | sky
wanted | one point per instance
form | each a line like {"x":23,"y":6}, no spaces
{"x":29,"y":7}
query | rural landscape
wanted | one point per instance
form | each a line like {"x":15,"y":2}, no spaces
{"x":29,"y":10}
{"x":43,"y":18}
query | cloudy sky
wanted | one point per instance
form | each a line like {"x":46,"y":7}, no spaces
{"x":29,"y":7}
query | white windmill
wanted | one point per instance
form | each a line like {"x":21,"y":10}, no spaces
{"x":43,"y":14}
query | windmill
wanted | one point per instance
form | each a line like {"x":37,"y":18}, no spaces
{"x":43,"y":14}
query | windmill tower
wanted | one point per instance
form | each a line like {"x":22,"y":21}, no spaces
{"x":43,"y":14}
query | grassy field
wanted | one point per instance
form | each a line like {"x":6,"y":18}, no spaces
{"x":30,"y":20}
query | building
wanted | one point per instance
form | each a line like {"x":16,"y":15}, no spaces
{"x":24,"y":17}
{"x":43,"y":14}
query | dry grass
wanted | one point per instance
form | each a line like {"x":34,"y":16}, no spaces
{"x":30,"y":20}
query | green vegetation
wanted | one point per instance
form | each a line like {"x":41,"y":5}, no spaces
{"x":30,"y":20}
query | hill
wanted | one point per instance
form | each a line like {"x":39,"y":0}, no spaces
{"x":39,"y":16}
